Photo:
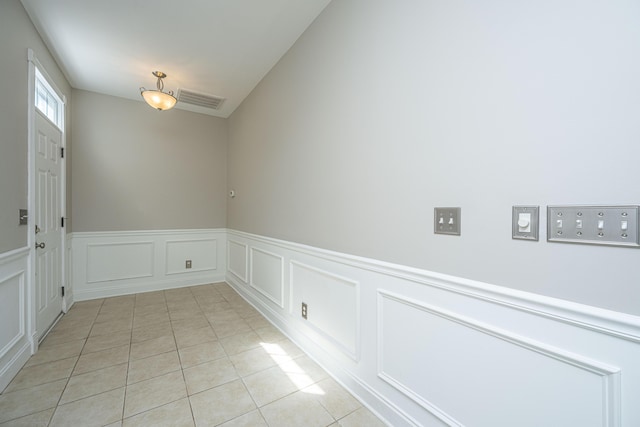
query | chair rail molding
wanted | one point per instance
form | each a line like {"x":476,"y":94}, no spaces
{"x":435,"y":349}
{"x":16,"y":342}
{"x":106,"y":264}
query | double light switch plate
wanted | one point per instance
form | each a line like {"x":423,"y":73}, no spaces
{"x":446,"y":221}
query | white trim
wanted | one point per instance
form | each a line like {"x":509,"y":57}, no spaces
{"x":14,"y":268}
{"x":610,"y":374}
{"x":242,"y":276}
{"x":621,"y":325}
{"x":594,"y":340}
{"x":279,"y":303}
{"x":150,"y":271}
{"x":36,"y":66}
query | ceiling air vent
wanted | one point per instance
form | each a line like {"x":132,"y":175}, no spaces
{"x":187,"y":96}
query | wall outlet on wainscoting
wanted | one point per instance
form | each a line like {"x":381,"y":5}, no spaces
{"x":187,"y":264}
{"x":304,"y":310}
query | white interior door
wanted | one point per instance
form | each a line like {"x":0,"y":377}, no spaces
{"x":48,"y":227}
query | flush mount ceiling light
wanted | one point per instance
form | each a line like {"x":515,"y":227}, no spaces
{"x":157,"y":98}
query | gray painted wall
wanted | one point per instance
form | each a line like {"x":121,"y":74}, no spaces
{"x":17,"y":34}
{"x":385,"y":109}
{"x":135,"y":168}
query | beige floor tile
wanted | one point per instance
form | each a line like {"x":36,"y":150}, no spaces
{"x":208,"y":302}
{"x":361,"y":417}
{"x":246,"y":311}
{"x":227,"y":328}
{"x":96,"y":410}
{"x":209,"y":375}
{"x":298,"y":409}
{"x":221,"y":404}
{"x":220,"y":306}
{"x":201,"y":353}
{"x":284,"y":347}
{"x":185,"y":312}
{"x":150,"y":298}
{"x":222,"y":316}
{"x":111,"y":327}
{"x":186,"y":338}
{"x":150,"y":319}
{"x":335,"y":399}
{"x":257,"y":322}
{"x":240,"y":342}
{"x":302,"y":371}
{"x":252,"y":361}
{"x":59,"y":337}
{"x":251,"y":419}
{"x":30,"y":400}
{"x":153,"y":393}
{"x":151,"y":347}
{"x":116,"y":424}
{"x":41,"y":374}
{"x":56,"y":352}
{"x":102,"y":359}
{"x":104,"y":342}
{"x":270,"y":334}
{"x":39,"y":419}
{"x":95,"y":382}
{"x":114,"y":317}
{"x":142,"y":310}
{"x":175,"y":414}
{"x":187,"y":324}
{"x":149,"y":332}
{"x":270,"y":385}
{"x":154,"y":366}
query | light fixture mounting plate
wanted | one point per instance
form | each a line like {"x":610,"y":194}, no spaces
{"x":159,"y":74}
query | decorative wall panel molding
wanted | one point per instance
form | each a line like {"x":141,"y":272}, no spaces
{"x":117,"y":263}
{"x":332,"y":304}
{"x":108,"y":262}
{"x":238,"y":259}
{"x":267,"y":275}
{"x":203,"y":254}
{"x":15,"y":343}
{"x":441,"y":350}
{"x":563,"y":382}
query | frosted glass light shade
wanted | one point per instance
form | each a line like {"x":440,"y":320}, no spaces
{"x":159,"y":100}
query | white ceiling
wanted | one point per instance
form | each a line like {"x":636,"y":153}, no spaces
{"x":217,"y":47}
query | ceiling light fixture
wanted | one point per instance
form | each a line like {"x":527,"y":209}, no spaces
{"x":157,"y":98}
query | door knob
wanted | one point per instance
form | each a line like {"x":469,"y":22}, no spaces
{"x":40,"y":245}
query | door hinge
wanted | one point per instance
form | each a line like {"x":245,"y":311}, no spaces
{"x":62,"y":152}
{"x":63,"y":291}
{"x":62,"y":222}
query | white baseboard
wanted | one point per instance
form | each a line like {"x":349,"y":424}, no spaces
{"x":108,"y":264}
{"x":422,"y":348}
{"x":15,"y":340}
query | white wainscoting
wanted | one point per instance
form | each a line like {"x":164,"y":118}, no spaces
{"x":117,"y":263}
{"x":15,"y":345}
{"x":425,"y":349}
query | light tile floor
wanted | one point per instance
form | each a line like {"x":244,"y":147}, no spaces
{"x":198,"y":356}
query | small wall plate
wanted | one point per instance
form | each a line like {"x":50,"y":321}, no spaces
{"x":530,"y":214}
{"x":446,"y":221}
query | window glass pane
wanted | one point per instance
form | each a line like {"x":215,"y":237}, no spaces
{"x":47,"y":101}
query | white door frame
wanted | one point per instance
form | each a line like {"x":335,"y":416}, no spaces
{"x":31,"y":238}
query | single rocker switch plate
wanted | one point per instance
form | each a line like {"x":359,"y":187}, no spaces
{"x":187,"y":264}
{"x":304,"y":310}
{"x":524,"y":222}
{"x":446,"y":221}
{"x":594,"y":225}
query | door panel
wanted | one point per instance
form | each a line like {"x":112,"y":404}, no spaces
{"x":48,"y":214}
